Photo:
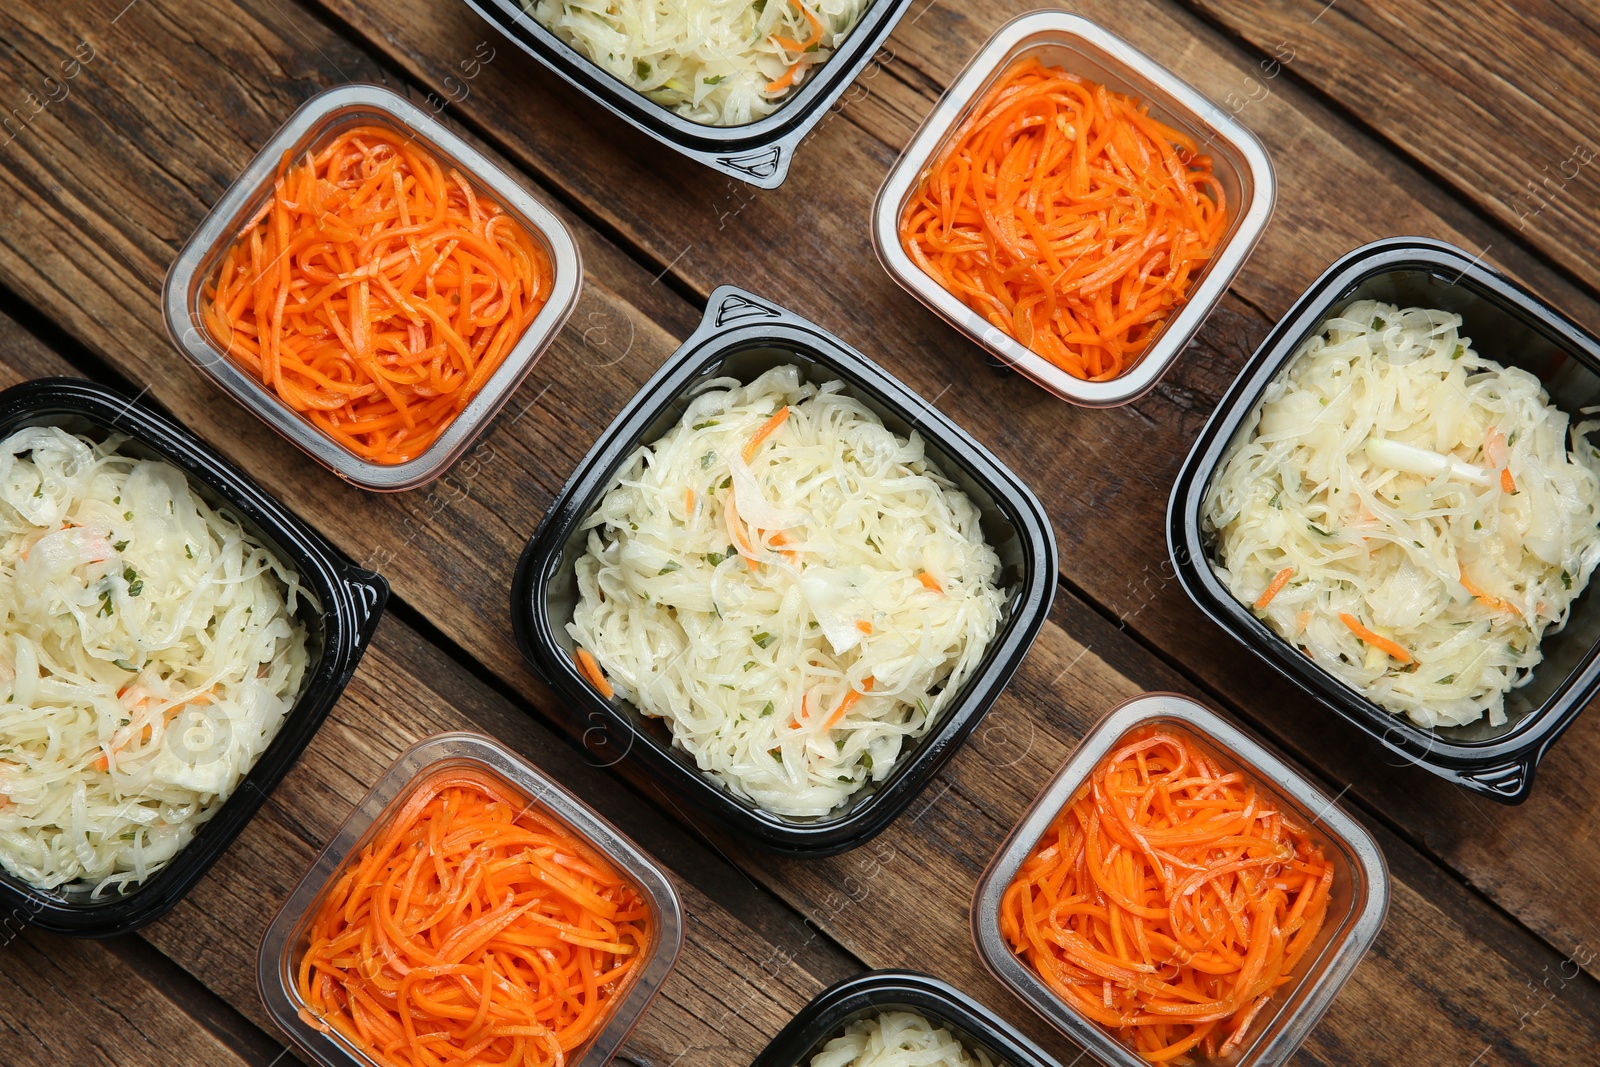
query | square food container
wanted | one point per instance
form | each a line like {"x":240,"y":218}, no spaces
{"x":314,"y":124}
{"x":743,"y":336}
{"x":757,"y":153}
{"x":1507,"y":324}
{"x":866,"y":995}
{"x":1080,"y":47}
{"x":1357,"y":902}
{"x":352,"y":601}
{"x":286,"y":938}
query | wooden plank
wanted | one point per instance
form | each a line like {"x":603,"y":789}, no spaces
{"x":75,"y":1002}
{"x":452,"y":550}
{"x":1496,"y":100}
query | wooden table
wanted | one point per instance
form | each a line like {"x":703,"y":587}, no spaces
{"x":1445,"y":118}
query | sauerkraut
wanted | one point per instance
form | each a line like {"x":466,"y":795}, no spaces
{"x":715,"y":62}
{"x":1411,"y":515}
{"x":149,"y":651}
{"x":898,"y":1039}
{"x":795,"y":589}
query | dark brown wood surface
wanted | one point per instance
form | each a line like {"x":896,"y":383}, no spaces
{"x":1495,"y":910}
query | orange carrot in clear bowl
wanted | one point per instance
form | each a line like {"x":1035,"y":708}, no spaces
{"x":376,"y":294}
{"x":1067,"y":217}
{"x":475,"y":929}
{"x":1169,"y":900}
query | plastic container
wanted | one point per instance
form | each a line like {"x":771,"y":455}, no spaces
{"x":352,"y":601}
{"x":757,"y":153}
{"x":1080,"y":47}
{"x":1508,"y":324}
{"x":1357,"y":902}
{"x":285,"y":941}
{"x":314,"y":124}
{"x":743,"y":336}
{"x":866,"y":995}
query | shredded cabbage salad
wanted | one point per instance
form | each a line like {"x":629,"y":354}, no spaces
{"x":715,"y":62}
{"x":148,"y":654}
{"x":1411,"y":515}
{"x":898,"y":1039}
{"x":793,"y":587}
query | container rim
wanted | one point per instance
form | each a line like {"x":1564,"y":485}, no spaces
{"x":1198,"y":113}
{"x":757,"y":153}
{"x":827,"y":1013}
{"x":412,"y":768}
{"x":737,"y":320}
{"x":1283,"y":781}
{"x":311,"y":121}
{"x":352,"y":598}
{"x":1499,"y":768}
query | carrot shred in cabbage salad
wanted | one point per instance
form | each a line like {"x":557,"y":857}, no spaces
{"x":1068,"y":217}
{"x":474,"y":930}
{"x":1169,"y":899}
{"x":375,"y":293}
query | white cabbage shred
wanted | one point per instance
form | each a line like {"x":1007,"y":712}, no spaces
{"x":148,"y":654}
{"x":715,"y":62}
{"x":898,"y":1039}
{"x":1375,"y":470}
{"x":873,"y":590}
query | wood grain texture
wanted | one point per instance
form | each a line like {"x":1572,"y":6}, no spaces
{"x":1495,"y":99}
{"x":97,"y":203}
{"x":74,"y":1003}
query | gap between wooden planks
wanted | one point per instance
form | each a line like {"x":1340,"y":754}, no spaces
{"x":1104,"y":475}
{"x":265,"y":454}
{"x":1498,"y":101}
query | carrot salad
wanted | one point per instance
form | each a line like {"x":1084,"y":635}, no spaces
{"x":474,"y":930}
{"x":1169,"y":900}
{"x":1068,"y":217}
{"x":375,"y":293}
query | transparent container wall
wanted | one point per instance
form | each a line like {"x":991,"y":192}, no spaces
{"x":287,"y":939}
{"x":1357,"y":902}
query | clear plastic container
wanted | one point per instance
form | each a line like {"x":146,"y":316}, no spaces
{"x":287,"y":936}
{"x":1080,"y":47}
{"x":318,"y":121}
{"x":1358,"y":900}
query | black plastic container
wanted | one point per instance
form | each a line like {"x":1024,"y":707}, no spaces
{"x":1507,"y":324}
{"x":865,"y":995}
{"x":758,"y":152}
{"x":743,"y":336}
{"x":352,"y":601}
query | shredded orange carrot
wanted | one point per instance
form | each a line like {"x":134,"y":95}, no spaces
{"x":1069,"y":218}
{"x":1279,"y":580}
{"x":847,"y":703}
{"x":688,"y":501}
{"x":476,"y":929}
{"x":589,"y":667}
{"x":864,"y":626}
{"x":1507,"y":483}
{"x":375,"y":294}
{"x":929,"y":582}
{"x":1376,"y":640}
{"x":1497,"y":603}
{"x":1169,"y":899}
{"x":779,"y":84}
{"x":767,"y":429}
